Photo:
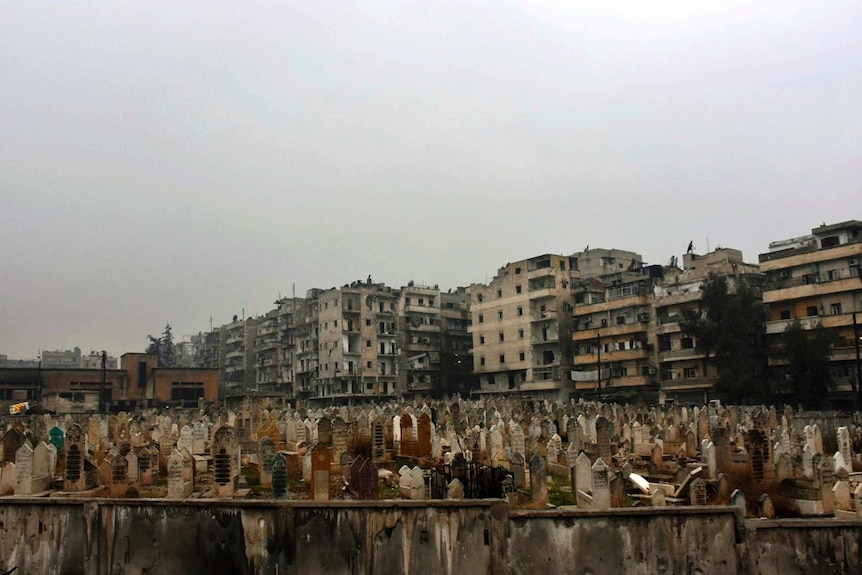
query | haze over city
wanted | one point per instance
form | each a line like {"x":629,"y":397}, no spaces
{"x":176,"y":163}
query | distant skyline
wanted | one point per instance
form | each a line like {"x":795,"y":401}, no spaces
{"x":171,"y":163}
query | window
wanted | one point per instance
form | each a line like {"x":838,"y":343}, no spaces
{"x":479,"y":297}
{"x":481,"y":339}
{"x":367,"y":343}
{"x":621,"y":320}
{"x":829,"y":242}
{"x":500,"y":314}
{"x":517,"y":271}
{"x":431,"y":302}
{"x":835,"y":308}
{"x":832,"y":275}
{"x":811,"y":310}
{"x":502,"y":337}
{"x":499,"y":293}
{"x":407,"y":300}
{"x":421,"y":301}
{"x":784,"y":314}
{"x":368,"y":322}
{"x":517,"y":289}
{"x":562,"y":265}
{"x":482,"y":360}
{"x":502,"y":358}
{"x":520,"y":311}
{"x":521,"y":356}
{"x":686,"y":343}
{"x":690,"y":372}
{"x":481,"y":318}
{"x":369,"y":386}
{"x":368,"y":365}
{"x":335,"y":323}
{"x":520,"y":334}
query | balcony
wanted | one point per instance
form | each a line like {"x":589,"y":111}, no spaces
{"x":679,"y":354}
{"x":542,"y":292}
{"x":812,"y":290}
{"x":588,"y":333}
{"x":780,"y":326}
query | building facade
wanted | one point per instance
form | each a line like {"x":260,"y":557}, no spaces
{"x":815,"y":280}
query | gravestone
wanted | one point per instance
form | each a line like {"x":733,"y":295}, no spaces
{"x":279,"y":477}
{"x":697,"y":491}
{"x":320,"y":464}
{"x":378,"y":440}
{"x":56,"y":437}
{"x":119,"y":477}
{"x":517,"y":466}
{"x":24,"y":470}
{"x":178,"y":486}
{"x":199,"y":439}
{"x":266,"y":453}
{"x":145,"y":467}
{"x":225,"y":450}
{"x":601,"y":485}
{"x":538,"y":480}
{"x":424,"y":436}
{"x":74,"y":479}
{"x":363,"y":478}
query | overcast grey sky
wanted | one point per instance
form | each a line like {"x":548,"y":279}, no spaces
{"x":176,"y":161}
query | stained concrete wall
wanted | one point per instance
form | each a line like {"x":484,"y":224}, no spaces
{"x":94,"y":537}
{"x":803,"y":547}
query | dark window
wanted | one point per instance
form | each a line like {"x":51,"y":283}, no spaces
{"x":811,"y":310}
{"x":784,"y":314}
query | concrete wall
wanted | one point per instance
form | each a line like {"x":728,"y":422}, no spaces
{"x":100,"y":536}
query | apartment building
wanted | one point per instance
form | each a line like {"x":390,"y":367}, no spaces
{"x":307,"y":347}
{"x":420,"y":339}
{"x":236,"y":356}
{"x":682,"y":373}
{"x":815,"y":279}
{"x":357,"y":340}
{"x":456,"y":344}
{"x":613,"y":333}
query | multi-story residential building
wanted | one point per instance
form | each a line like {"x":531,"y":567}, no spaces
{"x":682,"y":373}
{"x":58,"y":359}
{"x":357,"y":342}
{"x":205,"y":348}
{"x":613,"y":333}
{"x":307,"y":347}
{"x":93,"y":360}
{"x":815,"y":279}
{"x":236,"y":356}
{"x":291,"y":313}
{"x":267,"y":342}
{"x":456,"y":344}
{"x":419,"y":330}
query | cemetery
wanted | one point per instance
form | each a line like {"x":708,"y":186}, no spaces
{"x":432,"y":475}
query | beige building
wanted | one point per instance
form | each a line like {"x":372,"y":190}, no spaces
{"x":815,"y":279}
{"x":358,"y":351}
{"x":521,"y":321}
{"x":236,"y":356}
{"x":681,"y":368}
{"x":420,"y":332}
{"x":613,"y":334}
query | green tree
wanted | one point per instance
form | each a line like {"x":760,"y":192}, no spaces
{"x":728,"y":326}
{"x":163,"y":347}
{"x":807,"y":380}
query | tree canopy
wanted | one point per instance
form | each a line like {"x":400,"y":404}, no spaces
{"x":163,"y":347}
{"x":727,"y":325}
{"x":807,"y":380}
